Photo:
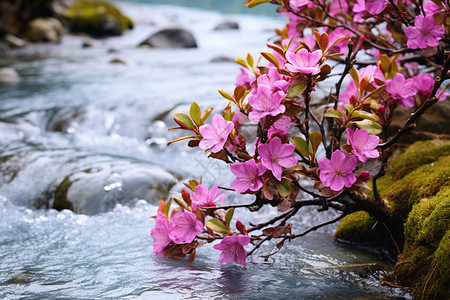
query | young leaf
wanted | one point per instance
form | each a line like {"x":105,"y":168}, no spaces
{"x":229,"y":216}
{"x":296,"y":89}
{"x":251,"y":4}
{"x":183,"y":120}
{"x":365,"y":115}
{"x":284,"y":188}
{"x":370,"y":126}
{"x":271,"y":58}
{"x":226,"y":95}
{"x":167,"y":208}
{"x":241,"y":61}
{"x":355,"y":75}
{"x":301,"y":145}
{"x":334,"y":113}
{"x":250,"y":60}
{"x":183,"y":138}
{"x":315,"y":139}
{"x":206,"y":114}
{"x":216,"y":225}
{"x":196,"y":113}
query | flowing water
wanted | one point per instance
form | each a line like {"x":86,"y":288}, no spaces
{"x":80,"y":127}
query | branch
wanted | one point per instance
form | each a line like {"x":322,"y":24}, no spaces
{"x":318,"y":226}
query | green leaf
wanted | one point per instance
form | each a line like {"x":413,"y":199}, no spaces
{"x":229,"y":216}
{"x":167,"y":207}
{"x":338,"y":40}
{"x":315,"y":138}
{"x":196,"y":113}
{"x":385,"y":63}
{"x":271,"y":58}
{"x":284,"y":188}
{"x":301,"y":145}
{"x":217,"y":226}
{"x":334,"y":113}
{"x":183,"y":138}
{"x":370,"y":126}
{"x":377,"y":91}
{"x":365,"y":115}
{"x":296,"y":89}
{"x":183,"y":120}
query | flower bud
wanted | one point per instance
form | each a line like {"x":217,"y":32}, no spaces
{"x":362,"y":38}
{"x":241,"y":227}
{"x":364,"y":176}
{"x":381,"y":109}
{"x":353,"y":100}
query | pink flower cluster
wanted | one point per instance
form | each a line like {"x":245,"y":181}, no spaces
{"x":182,"y":229}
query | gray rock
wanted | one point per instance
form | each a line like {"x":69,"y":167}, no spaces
{"x":98,"y":190}
{"x":44,"y":30}
{"x":14,"y":42}
{"x":227,"y":25}
{"x":171,"y":38}
{"x":222,"y":59}
{"x":120,"y":60}
{"x":9,"y":76}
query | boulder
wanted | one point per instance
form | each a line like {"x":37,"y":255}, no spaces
{"x":120,"y":60}
{"x":100,"y":188}
{"x":9,"y":76}
{"x":97,"y":18}
{"x":171,"y":38}
{"x":222,"y":59}
{"x":227,"y":25}
{"x":44,"y":30}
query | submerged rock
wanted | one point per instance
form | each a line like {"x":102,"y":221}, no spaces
{"x":97,"y":18}
{"x":227,"y":25}
{"x":14,"y":42}
{"x":171,"y":38}
{"x":44,"y":30}
{"x":99,"y":189}
{"x":9,"y":76}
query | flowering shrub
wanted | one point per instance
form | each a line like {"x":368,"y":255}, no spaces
{"x":378,"y":54}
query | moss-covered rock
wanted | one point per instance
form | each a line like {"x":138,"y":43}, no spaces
{"x":425,"y":261}
{"x":416,"y":187}
{"x":97,"y":18}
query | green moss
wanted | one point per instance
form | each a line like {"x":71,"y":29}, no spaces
{"x":424,"y":263}
{"x":356,"y":227}
{"x":98,"y":18}
{"x":418,"y":154}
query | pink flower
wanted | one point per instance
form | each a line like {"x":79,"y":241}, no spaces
{"x":248,"y":176}
{"x":202,"y":197}
{"x":244,"y":79}
{"x":280,"y":126}
{"x":424,"y":33}
{"x":424,"y":84}
{"x":264,"y":103}
{"x":160,"y":235}
{"x":374,"y":7}
{"x":303,"y":61}
{"x":273,"y":80}
{"x":402,"y":89}
{"x":215,"y":135}
{"x":232,"y":248}
{"x":363,"y":144}
{"x":338,"y":172}
{"x":184,"y":226}
{"x":296,"y":5}
{"x":276,"y":155}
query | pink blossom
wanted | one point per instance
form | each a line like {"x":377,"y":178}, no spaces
{"x":425,"y":33}
{"x":402,"y":89}
{"x":160,"y":235}
{"x":303,"y":61}
{"x":293,"y":44}
{"x":337,"y":33}
{"x":264,"y":103}
{"x":363,"y":144}
{"x":338,"y":7}
{"x":431,"y":8}
{"x":248,"y":176}
{"x":202,"y":197}
{"x":215,"y":135}
{"x":338,"y":172}
{"x":424,"y":83}
{"x":296,"y":5}
{"x":276,"y":155}
{"x":184,"y":226}
{"x":351,"y":88}
{"x":374,"y":7}
{"x":244,"y":79}
{"x":280,"y":126}
{"x":232,"y":248}
{"x":359,"y":8}
{"x":273,"y":80}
